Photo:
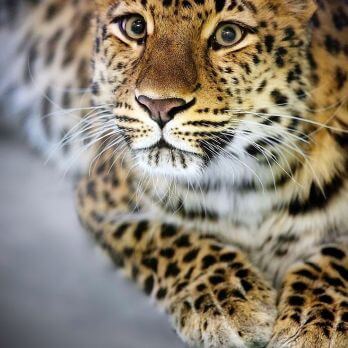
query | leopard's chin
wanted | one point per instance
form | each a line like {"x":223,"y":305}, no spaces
{"x":169,"y":162}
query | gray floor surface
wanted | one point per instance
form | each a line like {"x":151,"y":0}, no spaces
{"x":57,"y":289}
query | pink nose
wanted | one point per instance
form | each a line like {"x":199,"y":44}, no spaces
{"x":161,"y":110}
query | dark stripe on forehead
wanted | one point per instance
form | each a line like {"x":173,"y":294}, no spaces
{"x":219,"y":5}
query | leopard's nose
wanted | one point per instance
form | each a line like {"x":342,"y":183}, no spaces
{"x":162,"y":110}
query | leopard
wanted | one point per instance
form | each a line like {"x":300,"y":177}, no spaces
{"x":215,"y":138}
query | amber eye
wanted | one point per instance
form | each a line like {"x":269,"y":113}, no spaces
{"x":229,"y":34}
{"x":133,"y":27}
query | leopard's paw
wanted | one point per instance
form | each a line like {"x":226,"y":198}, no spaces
{"x":318,"y":329}
{"x":220,"y":312}
{"x":313,"y":307}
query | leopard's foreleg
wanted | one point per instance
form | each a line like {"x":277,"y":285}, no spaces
{"x":212,"y":293}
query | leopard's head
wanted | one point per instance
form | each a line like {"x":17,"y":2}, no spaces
{"x":196,"y":85}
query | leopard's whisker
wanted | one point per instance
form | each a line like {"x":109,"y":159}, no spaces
{"x":90,"y":120}
{"x":67,"y":112}
{"x":231,"y":156}
{"x":278,"y":130}
{"x":315,"y":123}
{"x":263,"y":151}
{"x":113,"y":143}
{"x":85,"y":148}
{"x":75,"y":135}
{"x":273,"y":147}
{"x":294,"y":147}
{"x":120,"y":149}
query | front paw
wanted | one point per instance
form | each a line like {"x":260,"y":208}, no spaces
{"x":230,"y":308}
{"x":313,"y":308}
{"x":319,"y":328}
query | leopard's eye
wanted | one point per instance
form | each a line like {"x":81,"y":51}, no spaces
{"x":229,"y":34}
{"x":133,"y":27}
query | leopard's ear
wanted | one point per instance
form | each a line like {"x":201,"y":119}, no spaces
{"x":302,"y":8}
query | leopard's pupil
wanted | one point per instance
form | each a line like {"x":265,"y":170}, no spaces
{"x":228,"y":34}
{"x":138,"y":26}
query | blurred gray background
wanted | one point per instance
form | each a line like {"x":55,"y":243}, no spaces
{"x":57,"y":288}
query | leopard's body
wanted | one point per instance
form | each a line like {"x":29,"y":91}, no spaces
{"x":233,"y":214}
{"x":35,"y":95}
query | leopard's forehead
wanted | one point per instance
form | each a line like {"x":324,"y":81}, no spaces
{"x":179,"y":12}
{"x":252,"y":12}
{"x":204,"y":8}
{"x":192,"y":6}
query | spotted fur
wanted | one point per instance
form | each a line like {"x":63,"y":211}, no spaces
{"x":233,"y":215}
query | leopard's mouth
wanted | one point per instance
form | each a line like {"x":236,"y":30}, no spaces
{"x":162,"y":144}
{"x":165,"y":159}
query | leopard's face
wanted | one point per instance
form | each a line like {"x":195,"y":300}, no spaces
{"x":195,"y":84}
